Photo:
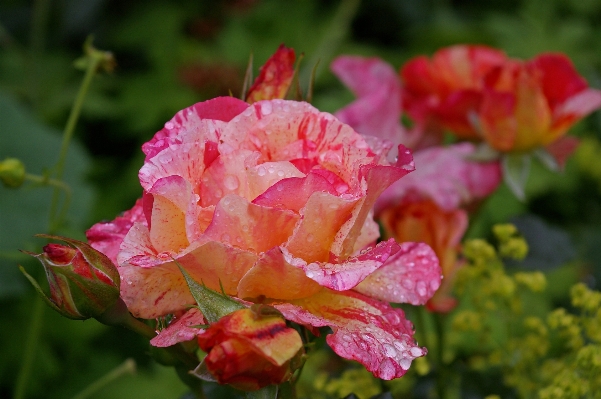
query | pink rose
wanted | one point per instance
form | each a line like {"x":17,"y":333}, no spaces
{"x":272,"y":202}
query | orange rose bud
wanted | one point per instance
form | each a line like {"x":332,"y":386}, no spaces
{"x":83,"y":282}
{"x":251,"y":348}
{"x":275,"y":77}
{"x":441,"y":229}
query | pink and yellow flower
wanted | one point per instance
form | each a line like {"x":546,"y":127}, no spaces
{"x":533,"y":103}
{"x":272,"y":203}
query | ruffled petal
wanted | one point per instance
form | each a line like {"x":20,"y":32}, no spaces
{"x":344,"y":275}
{"x":368,"y":331}
{"x":412,"y":275}
{"x":191,"y":120}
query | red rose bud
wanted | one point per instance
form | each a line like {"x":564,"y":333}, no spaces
{"x":83,"y":282}
{"x":251,"y":348}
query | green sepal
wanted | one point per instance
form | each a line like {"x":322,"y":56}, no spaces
{"x":248,"y":77}
{"x":212,"y":304}
{"x":516,"y":168}
{"x":42,"y":294}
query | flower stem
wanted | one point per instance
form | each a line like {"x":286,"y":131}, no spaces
{"x":442,"y":382}
{"x":94,"y":58}
{"x":35,"y":327}
{"x":127,"y":367}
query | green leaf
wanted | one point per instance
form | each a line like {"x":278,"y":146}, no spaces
{"x":516,"y":168}
{"x":212,"y":304}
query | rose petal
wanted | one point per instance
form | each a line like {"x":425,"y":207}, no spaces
{"x":344,"y":275}
{"x":190,"y":119}
{"x":107,"y":237}
{"x":273,"y":277}
{"x":322,"y":217}
{"x":446,"y":176}
{"x":365,"y":330}
{"x":412,"y":275}
{"x":240,"y":223}
{"x":180,"y":329}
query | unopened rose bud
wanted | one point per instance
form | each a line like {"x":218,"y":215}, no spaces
{"x":83,"y":282}
{"x":12,"y":172}
{"x":250,"y":349}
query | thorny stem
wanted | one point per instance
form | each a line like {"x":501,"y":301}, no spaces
{"x":127,"y":367}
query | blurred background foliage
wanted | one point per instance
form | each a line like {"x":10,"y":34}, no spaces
{"x":171,"y":54}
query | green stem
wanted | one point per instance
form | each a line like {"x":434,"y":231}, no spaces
{"x":92,"y":66}
{"x":442,"y":382}
{"x":127,"y":367}
{"x":35,"y":327}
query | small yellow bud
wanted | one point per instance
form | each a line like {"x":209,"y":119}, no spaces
{"x":583,"y":297}
{"x":514,"y":248}
{"x":12,"y":172}
{"x":479,"y":251}
{"x":535,"y":281}
{"x":504,"y":232}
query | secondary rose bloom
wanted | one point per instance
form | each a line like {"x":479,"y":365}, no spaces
{"x":272,"y":202}
{"x":533,"y":103}
{"x":250,"y":349}
{"x":423,"y":220}
{"x":446,"y":90}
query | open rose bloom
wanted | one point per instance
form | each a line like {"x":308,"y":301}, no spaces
{"x":272,"y":203}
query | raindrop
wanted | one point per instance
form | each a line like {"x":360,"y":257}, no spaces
{"x":266,"y":108}
{"x":231,"y":182}
{"x":261,"y":171}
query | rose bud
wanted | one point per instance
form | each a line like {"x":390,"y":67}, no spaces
{"x":83,"y":282}
{"x":251,"y":348}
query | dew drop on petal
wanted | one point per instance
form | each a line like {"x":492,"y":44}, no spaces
{"x":261,"y":171}
{"x":169,"y":125}
{"x":405,"y":363}
{"x":416,"y":352}
{"x":231,"y":182}
{"x":266,"y":108}
{"x":310,"y":237}
{"x":225,"y":237}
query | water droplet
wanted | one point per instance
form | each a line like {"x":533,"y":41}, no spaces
{"x":416,"y":352}
{"x":271,"y":169}
{"x":280,"y":173}
{"x":225,"y":237}
{"x":261,"y":171}
{"x":405,"y":364}
{"x":169,"y":125}
{"x":421,"y":288}
{"x":310,"y":237}
{"x":231,"y":182}
{"x":389,"y":350}
{"x":280,"y":187}
{"x":266,"y":108}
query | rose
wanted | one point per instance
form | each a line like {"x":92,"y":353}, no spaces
{"x":272,"y":202}
{"x":530,"y":104}
{"x":446,"y":91}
